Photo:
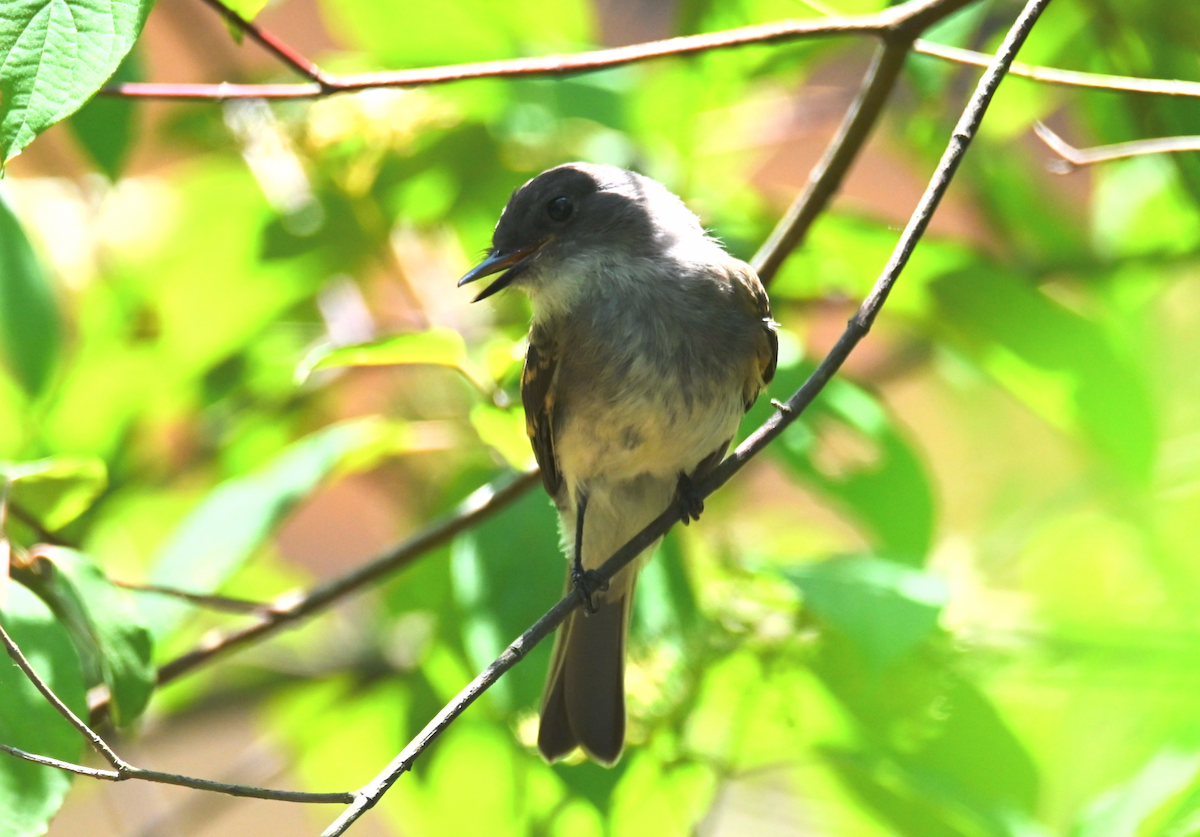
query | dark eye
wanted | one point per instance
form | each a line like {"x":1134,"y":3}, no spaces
{"x":560,"y":209}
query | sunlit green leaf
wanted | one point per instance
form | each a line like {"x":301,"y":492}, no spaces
{"x":458,"y":30}
{"x":105,"y":125}
{"x":436,"y":346}
{"x":501,"y":591}
{"x":1142,"y":208}
{"x":104,"y":624}
{"x":504,"y":431}
{"x":55,"y":491}
{"x":30,"y":793}
{"x":885,"y":608}
{"x":1101,"y":392}
{"x":248,"y":9}
{"x":29,"y":319}
{"x":1152,"y":803}
{"x":660,"y":798}
{"x":234,"y":519}
{"x":847,"y":447}
{"x":55,"y":56}
{"x":845,"y":254}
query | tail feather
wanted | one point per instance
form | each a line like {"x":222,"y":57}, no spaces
{"x":584,"y":702}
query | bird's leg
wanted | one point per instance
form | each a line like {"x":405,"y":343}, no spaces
{"x":584,"y":580}
{"x":690,"y":498}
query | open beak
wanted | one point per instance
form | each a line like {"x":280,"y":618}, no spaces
{"x":496,"y":262}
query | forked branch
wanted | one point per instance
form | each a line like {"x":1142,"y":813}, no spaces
{"x":123,"y":770}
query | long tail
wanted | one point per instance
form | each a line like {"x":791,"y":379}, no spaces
{"x":584,"y":701}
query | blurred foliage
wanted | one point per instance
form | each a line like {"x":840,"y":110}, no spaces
{"x":957,"y":598}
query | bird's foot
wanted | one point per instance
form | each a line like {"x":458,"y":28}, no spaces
{"x":690,"y":499}
{"x":588,"y":583}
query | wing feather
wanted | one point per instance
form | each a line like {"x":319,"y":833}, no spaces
{"x":753,"y":296}
{"x":537,"y":394}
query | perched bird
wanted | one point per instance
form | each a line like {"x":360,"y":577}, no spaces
{"x":648,"y":344}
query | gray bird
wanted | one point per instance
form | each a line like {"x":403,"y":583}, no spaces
{"x":648,"y":344}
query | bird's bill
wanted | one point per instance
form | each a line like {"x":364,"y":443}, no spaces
{"x":496,"y":262}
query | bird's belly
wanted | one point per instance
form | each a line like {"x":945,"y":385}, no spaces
{"x":659,"y":436}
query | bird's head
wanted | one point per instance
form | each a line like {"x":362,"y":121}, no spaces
{"x":582,"y":214}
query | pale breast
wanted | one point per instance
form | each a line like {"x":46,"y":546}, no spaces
{"x":651,"y":378}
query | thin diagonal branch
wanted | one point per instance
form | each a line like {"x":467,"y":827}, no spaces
{"x":291,"y":607}
{"x":20,"y":513}
{"x":227,"y":604}
{"x":481,"y":505}
{"x":74,"y":720}
{"x":1066,"y":78}
{"x":285,"y":53}
{"x":826,"y":178}
{"x":856,"y":329}
{"x":1073,"y":158}
{"x":71,"y":767}
{"x":123,"y":770}
{"x":908,"y":17}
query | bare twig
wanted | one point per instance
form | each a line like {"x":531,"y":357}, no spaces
{"x":272,"y":44}
{"x":20,"y":513}
{"x":227,"y":604}
{"x":94,"y":772}
{"x":1066,"y":78}
{"x":123,"y":770}
{"x":42,"y":686}
{"x":826,"y":177}
{"x":856,"y":329}
{"x":1073,"y":158}
{"x":291,"y":607}
{"x":912,"y":16}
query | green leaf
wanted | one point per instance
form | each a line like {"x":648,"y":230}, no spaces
{"x":503,"y":431}
{"x":54,"y":56}
{"x":29,"y":320}
{"x":104,"y":624}
{"x":458,"y":30}
{"x":238,"y":515}
{"x":248,"y":9}
{"x":58,"y":490}
{"x":1061,"y":364}
{"x":847,"y":446}
{"x":884,"y":608}
{"x":506,"y":572}
{"x":666,"y":799}
{"x":437,"y":346}
{"x":844,"y":253}
{"x":104,"y":126}
{"x":30,"y":793}
{"x":1150,"y":798}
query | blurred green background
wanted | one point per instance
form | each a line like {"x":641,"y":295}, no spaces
{"x":959,"y":598}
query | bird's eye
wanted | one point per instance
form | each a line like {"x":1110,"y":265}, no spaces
{"x":560,"y":209}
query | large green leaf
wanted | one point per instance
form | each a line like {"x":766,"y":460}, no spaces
{"x":237,"y":516}
{"x":29,"y":322}
{"x":1058,"y":362}
{"x":55,"y":491}
{"x":54,"y":56}
{"x":874,"y":473}
{"x":1161,"y":800}
{"x":104,"y":126}
{"x":106,"y":627}
{"x":886,"y":609}
{"x":30,"y":793}
{"x":458,"y":30}
{"x":506,"y":573}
